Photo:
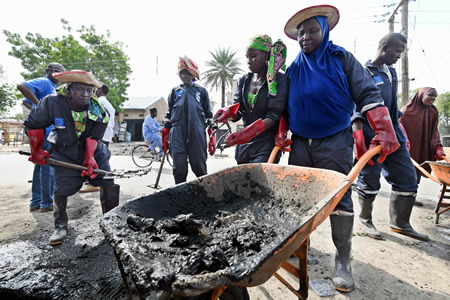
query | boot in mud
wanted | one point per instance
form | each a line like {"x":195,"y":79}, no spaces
{"x":61,"y":219}
{"x":365,"y":217}
{"x":109,"y":197}
{"x":400,"y":208}
{"x":341,"y":232}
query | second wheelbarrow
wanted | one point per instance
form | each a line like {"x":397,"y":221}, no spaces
{"x":225,"y":231}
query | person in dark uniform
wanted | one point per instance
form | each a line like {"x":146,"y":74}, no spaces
{"x":79,"y":122}
{"x":326,"y":82}
{"x":185,"y":126}
{"x":397,"y":168}
{"x":260,"y":99}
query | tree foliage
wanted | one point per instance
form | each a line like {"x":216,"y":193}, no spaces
{"x":86,"y":50}
{"x":222,"y":69}
{"x":8,"y":95}
{"x":443,"y":106}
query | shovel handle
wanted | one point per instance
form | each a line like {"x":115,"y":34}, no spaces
{"x":273,"y":154}
{"x":362,"y":162}
{"x":55,"y":162}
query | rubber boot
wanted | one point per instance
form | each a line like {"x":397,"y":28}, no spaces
{"x":365,"y":217}
{"x":109,"y":197}
{"x":341,"y":232}
{"x":61,"y":219}
{"x":400,"y":208}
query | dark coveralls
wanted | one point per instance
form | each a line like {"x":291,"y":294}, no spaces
{"x":66,"y":147}
{"x":335,"y":152}
{"x":259,"y":148}
{"x":188,"y":110}
{"x":397,"y":168}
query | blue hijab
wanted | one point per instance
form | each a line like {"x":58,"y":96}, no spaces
{"x":320,"y":103}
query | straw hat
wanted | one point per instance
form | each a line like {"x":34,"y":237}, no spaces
{"x":77,"y":76}
{"x":188,"y":64}
{"x":328,"y":11}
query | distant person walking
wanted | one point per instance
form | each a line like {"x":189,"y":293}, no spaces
{"x":35,"y":90}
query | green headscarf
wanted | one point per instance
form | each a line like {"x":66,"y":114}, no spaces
{"x":276,"y":61}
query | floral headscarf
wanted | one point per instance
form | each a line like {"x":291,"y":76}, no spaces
{"x":277,"y":58}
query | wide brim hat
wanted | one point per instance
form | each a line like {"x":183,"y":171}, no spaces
{"x":328,"y":11}
{"x":189,"y":65}
{"x":77,"y":76}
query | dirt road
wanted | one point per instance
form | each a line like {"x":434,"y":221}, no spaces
{"x":85,"y":268}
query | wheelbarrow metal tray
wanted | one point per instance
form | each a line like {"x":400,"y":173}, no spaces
{"x":441,"y":170}
{"x":288,"y":201}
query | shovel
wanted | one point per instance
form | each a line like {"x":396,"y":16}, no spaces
{"x":106,"y":174}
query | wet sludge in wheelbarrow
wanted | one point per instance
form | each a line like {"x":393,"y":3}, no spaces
{"x":234,"y":227}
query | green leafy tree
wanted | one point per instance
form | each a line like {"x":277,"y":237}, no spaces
{"x":443,"y":106}
{"x":85,"y":50}
{"x":8,"y":95}
{"x":222,"y":69}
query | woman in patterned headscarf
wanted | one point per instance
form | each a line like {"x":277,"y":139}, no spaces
{"x":261,"y":99}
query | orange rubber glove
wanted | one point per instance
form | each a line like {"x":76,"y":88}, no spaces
{"x":438,"y":153}
{"x":165,"y":139}
{"x":38,"y":155}
{"x":381,"y":123}
{"x":212,"y":141}
{"x":245,"y":134}
{"x":280,"y":138}
{"x":360,"y":145}
{"x":225,"y":114}
{"x":89,"y":160}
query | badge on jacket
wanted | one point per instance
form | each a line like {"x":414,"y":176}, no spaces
{"x":197,"y":96}
{"x":378,"y":80}
{"x":59,"y":123}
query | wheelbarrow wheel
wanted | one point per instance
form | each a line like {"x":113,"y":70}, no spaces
{"x":231,"y":293}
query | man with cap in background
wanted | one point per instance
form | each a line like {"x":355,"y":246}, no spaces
{"x":35,"y":90}
{"x":79,"y":124}
{"x":150,"y":130}
{"x":189,"y":108}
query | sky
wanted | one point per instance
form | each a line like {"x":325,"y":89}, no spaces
{"x":156,"y":33}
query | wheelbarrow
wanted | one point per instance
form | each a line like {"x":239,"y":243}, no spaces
{"x":441,"y":171}
{"x":225,"y":231}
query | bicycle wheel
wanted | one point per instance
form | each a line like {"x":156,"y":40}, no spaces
{"x":142,"y":156}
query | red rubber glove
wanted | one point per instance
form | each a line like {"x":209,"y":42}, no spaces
{"x":408,"y":144}
{"x":165,"y":139}
{"x":245,"y":134}
{"x":212,"y":141}
{"x":381,"y":123}
{"x":280,"y":138}
{"x":360,"y":145}
{"x":438,"y":153}
{"x":225,"y":114}
{"x":89,"y":160}
{"x":38,"y":155}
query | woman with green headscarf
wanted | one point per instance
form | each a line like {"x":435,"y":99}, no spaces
{"x":260,"y":100}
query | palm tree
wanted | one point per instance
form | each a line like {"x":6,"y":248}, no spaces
{"x":222,"y":69}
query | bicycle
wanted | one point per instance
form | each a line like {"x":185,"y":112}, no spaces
{"x":143,"y":157}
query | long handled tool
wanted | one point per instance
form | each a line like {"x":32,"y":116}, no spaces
{"x":106,"y":174}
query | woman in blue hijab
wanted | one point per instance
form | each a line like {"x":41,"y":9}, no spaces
{"x":326,"y":82}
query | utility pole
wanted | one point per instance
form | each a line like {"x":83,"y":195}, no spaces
{"x":405,"y":66}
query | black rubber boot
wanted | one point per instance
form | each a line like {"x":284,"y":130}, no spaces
{"x":400,"y":209}
{"x":365,"y":217}
{"x":109,"y":197}
{"x":61,"y":220}
{"x":341,"y":232}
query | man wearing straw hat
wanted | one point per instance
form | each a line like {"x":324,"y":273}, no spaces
{"x":79,"y":124}
{"x":188,"y":110}
{"x":326,"y":82}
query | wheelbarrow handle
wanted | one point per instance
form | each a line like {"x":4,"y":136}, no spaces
{"x":55,"y":162}
{"x":424,"y":172}
{"x":357,"y":168}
